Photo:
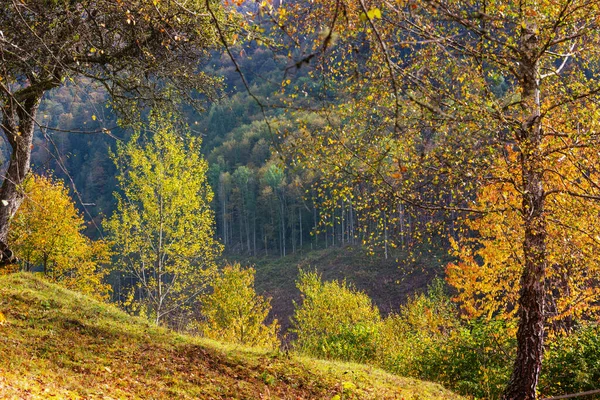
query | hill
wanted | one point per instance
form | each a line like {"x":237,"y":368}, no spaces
{"x":387,"y":282}
{"x":59,"y":344}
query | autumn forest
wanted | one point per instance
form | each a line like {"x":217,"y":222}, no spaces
{"x":409,"y":185}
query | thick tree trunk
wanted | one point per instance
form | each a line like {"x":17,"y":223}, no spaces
{"x":18,"y":123}
{"x":530,"y":334}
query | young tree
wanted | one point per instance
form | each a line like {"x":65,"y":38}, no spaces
{"x":441,"y":91}
{"x":135,"y":49}
{"x":162,"y":230}
{"x":47,"y":233}
{"x":235,"y":313}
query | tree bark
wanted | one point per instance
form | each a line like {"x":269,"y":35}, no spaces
{"x":530,"y":334}
{"x":18,"y":124}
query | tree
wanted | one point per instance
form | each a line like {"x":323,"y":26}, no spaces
{"x":490,"y":261}
{"x":139,"y":51}
{"x":235,"y":313}
{"x":443,"y":90}
{"x":47,"y":233}
{"x":162,"y":230}
{"x":274,"y":177}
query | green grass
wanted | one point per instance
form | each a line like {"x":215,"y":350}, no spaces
{"x":59,"y":344}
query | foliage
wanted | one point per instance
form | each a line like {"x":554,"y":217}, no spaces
{"x":138,"y":51}
{"x":47,"y":233}
{"x":162,"y":231}
{"x":234,"y":313}
{"x":474,"y":360}
{"x":426,"y":339}
{"x":130,"y":44}
{"x":425,"y":321}
{"x":572,"y":362}
{"x":334,"y":320}
{"x":436,"y":100}
{"x":490,"y":262}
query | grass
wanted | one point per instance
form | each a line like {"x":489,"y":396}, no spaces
{"x":59,"y":344}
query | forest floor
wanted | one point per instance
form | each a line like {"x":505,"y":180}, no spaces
{"x":55,"y":343}
{"x":388,"y":282}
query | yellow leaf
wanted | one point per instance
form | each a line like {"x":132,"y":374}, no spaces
{"x":2,"y":319}
{"x":374,"y":13}
{"x":93,"y":117}
{"x":349,"y":385}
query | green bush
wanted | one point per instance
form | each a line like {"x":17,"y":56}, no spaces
{"x":572,"y":363}
{"x":234,"y":313}
{"x":335,"y":320}
{"x":475,"y":359}
{"x":356,"y":343}
{"x":424,"y":322}
{"x":427,"y":340}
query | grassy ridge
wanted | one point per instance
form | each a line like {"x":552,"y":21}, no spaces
{"x":59,"y":344}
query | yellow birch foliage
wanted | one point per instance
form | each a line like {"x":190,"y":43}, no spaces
{"x":235,"y":313}
{"x":490,"y":264}
{"x":163,"y":228}
{"x":47,"y":233}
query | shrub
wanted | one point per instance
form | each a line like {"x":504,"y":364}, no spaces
{"x":335,"y":320}
{"x":420,"y":326}
{"x":475,"y":360}
{"x":572,"y":363}
{"x":427,"y":340}
{"x":235,"y":313}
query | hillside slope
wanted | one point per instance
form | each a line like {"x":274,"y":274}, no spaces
{"x":387,"y":282}
{"x":58,"y":344}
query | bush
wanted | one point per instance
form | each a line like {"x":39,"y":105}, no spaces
{"x":235,"y":313}
{"x":335,"y":320}
{"x":420,"y":326}
{"x":427,"y":340}
{"x":572,"y":363}
{"x":475,"y":360}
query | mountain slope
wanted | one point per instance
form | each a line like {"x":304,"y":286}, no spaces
{"x":388,"y":283}
{"x":59,"y":344}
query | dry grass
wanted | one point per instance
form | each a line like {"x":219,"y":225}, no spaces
{"x":58,"y":344}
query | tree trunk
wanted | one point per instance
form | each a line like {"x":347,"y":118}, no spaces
{"x":18,"y":123}
{"x":530,"y":334}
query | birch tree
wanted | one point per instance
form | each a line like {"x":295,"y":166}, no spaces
{"x":162,"y":231}
{"x":432,"y":95}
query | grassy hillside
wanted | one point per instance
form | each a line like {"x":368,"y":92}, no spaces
{"x":59,"y":344}
{"x":387,"y":282}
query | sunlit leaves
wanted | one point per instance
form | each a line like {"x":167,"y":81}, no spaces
{"x":162,"y":229}
{"x":47,"y":235}
{"x":235,"y":313}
